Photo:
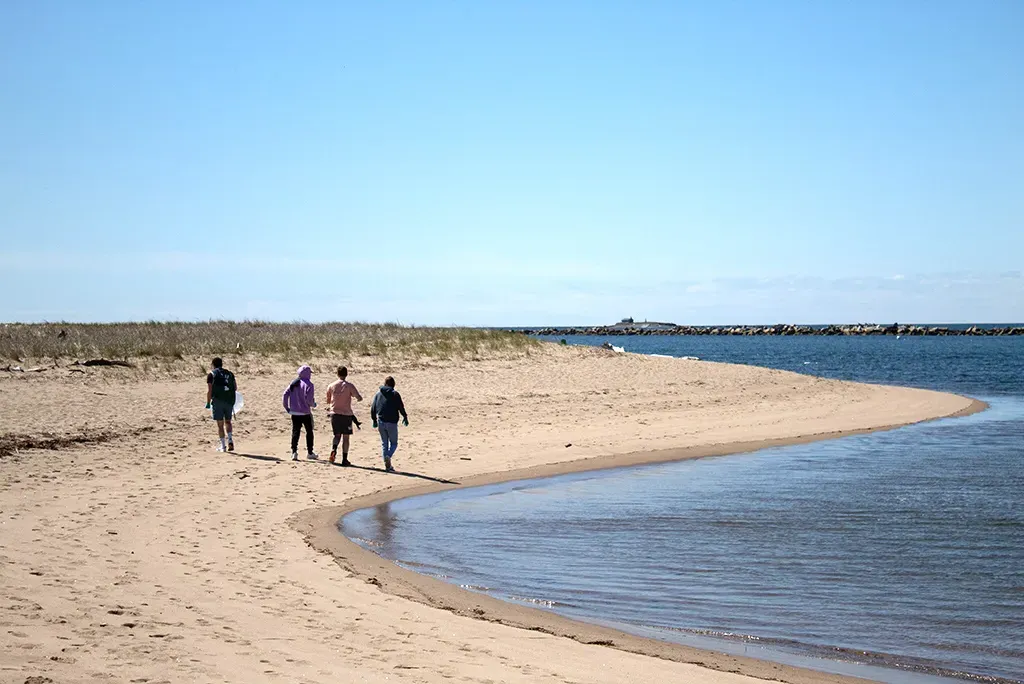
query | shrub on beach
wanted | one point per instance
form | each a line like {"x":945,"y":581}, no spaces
{"x":170,"y":340}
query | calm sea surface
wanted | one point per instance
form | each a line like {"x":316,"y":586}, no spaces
{"x":894,"y":556}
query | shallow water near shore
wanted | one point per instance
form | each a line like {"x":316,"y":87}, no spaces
{"x":899,"y":550}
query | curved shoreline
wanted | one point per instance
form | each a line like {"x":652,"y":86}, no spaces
{"x":319,"y":528}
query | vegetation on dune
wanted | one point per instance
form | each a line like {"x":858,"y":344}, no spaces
{"x":185,"y":340}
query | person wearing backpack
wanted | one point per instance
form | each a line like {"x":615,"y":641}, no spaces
{"x":220,"y":396}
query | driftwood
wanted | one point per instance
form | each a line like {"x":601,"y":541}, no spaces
{"x":103,"y":362}
{"x":12,"y":443}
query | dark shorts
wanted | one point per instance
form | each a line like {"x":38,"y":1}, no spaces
{"x":222,"y":410}
{"x":342,"y":425}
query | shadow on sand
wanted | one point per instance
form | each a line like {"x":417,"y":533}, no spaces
{"x":257,"y":457}
{"x":397,"y":472}
{"x":275,"y":459}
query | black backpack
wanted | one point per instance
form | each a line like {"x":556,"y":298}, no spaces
{"x":223,"y":385}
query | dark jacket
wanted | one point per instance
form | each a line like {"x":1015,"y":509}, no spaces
{"x":387,"y":405}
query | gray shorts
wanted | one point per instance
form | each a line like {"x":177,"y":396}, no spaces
{"x":222,"y":410}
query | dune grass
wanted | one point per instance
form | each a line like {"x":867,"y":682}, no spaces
{"x":156,"y":340}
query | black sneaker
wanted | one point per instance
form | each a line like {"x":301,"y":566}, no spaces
{"x":344,"y":460}
{"x":231,"y":446}
{"x":387,"y":465}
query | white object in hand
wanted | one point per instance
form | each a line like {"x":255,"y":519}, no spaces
{"x":239,"y":403}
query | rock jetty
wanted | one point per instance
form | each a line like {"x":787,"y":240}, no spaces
{"x":780,"y":329}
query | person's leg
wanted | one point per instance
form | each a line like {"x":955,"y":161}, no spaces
{"x":220,"y":434}
{"x":392,"y":438}
{"x":336,"y":422}
{"x":231,"y":438}
{"x":346,"y":431}
{"x":296,"y":427}
{"x":384,"y":439}
{"x":307,"y":420}
{"x":393,"y":429}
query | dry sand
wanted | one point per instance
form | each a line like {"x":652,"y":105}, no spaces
{"x":151,"y":558}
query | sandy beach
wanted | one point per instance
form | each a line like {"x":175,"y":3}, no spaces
{"x":136,"y":553}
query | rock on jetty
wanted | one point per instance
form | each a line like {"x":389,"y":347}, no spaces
{"x":781,"y":329}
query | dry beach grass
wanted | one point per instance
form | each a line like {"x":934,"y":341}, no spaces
{"x":132,"y":552}
{"x":289,"y":341}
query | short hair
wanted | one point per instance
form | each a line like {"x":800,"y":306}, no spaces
{"x":217,"y":362}
{"x":342,"y":372}
{"x":389,"y":381}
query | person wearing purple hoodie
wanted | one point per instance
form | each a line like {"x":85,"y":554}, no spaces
{"x":299,"y":402}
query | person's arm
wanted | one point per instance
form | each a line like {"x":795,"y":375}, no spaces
{"x":330,"y":394}
{"x":356,"y":394}
{"x":401,"y":409}
{"x":373,"y":411}
{"x":209,"y":389}
{"x":284,"y":397}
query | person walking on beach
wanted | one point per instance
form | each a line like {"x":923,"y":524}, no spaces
{"x":220,"y":396}
{"x":387,"y":405}
{"x":299,"y":401}
{"x":339,"y":405}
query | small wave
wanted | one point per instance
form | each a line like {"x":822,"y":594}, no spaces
{"x":474,"y":587}
{"x":362,"y":541}
{"x":418,"y":565}
{"x":547,"y":603}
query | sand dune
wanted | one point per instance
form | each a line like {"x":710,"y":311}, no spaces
{"x":145,"y":556}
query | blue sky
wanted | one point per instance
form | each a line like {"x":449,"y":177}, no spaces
{"x":513,"y":163}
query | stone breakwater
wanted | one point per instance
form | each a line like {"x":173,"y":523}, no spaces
{"x":859,"y":329}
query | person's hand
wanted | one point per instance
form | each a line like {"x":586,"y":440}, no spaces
{"x":209,"y":405}
{"x":405,"y":421}
{"x":374,"y":423}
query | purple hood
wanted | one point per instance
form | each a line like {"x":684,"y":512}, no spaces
{"x":298,"y":399}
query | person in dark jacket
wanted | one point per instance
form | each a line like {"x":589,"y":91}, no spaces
{"x":384,"y":412}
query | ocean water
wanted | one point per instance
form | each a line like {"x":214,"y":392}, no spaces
{"x":896,"y":556}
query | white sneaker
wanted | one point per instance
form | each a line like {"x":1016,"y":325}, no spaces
{"x":295,"y":455}
{"x":312,"y":456}
{"x":220,"y":449}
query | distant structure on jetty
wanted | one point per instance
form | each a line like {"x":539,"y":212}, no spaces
{"x":650,"y":326}
{"x":628,"y":326}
